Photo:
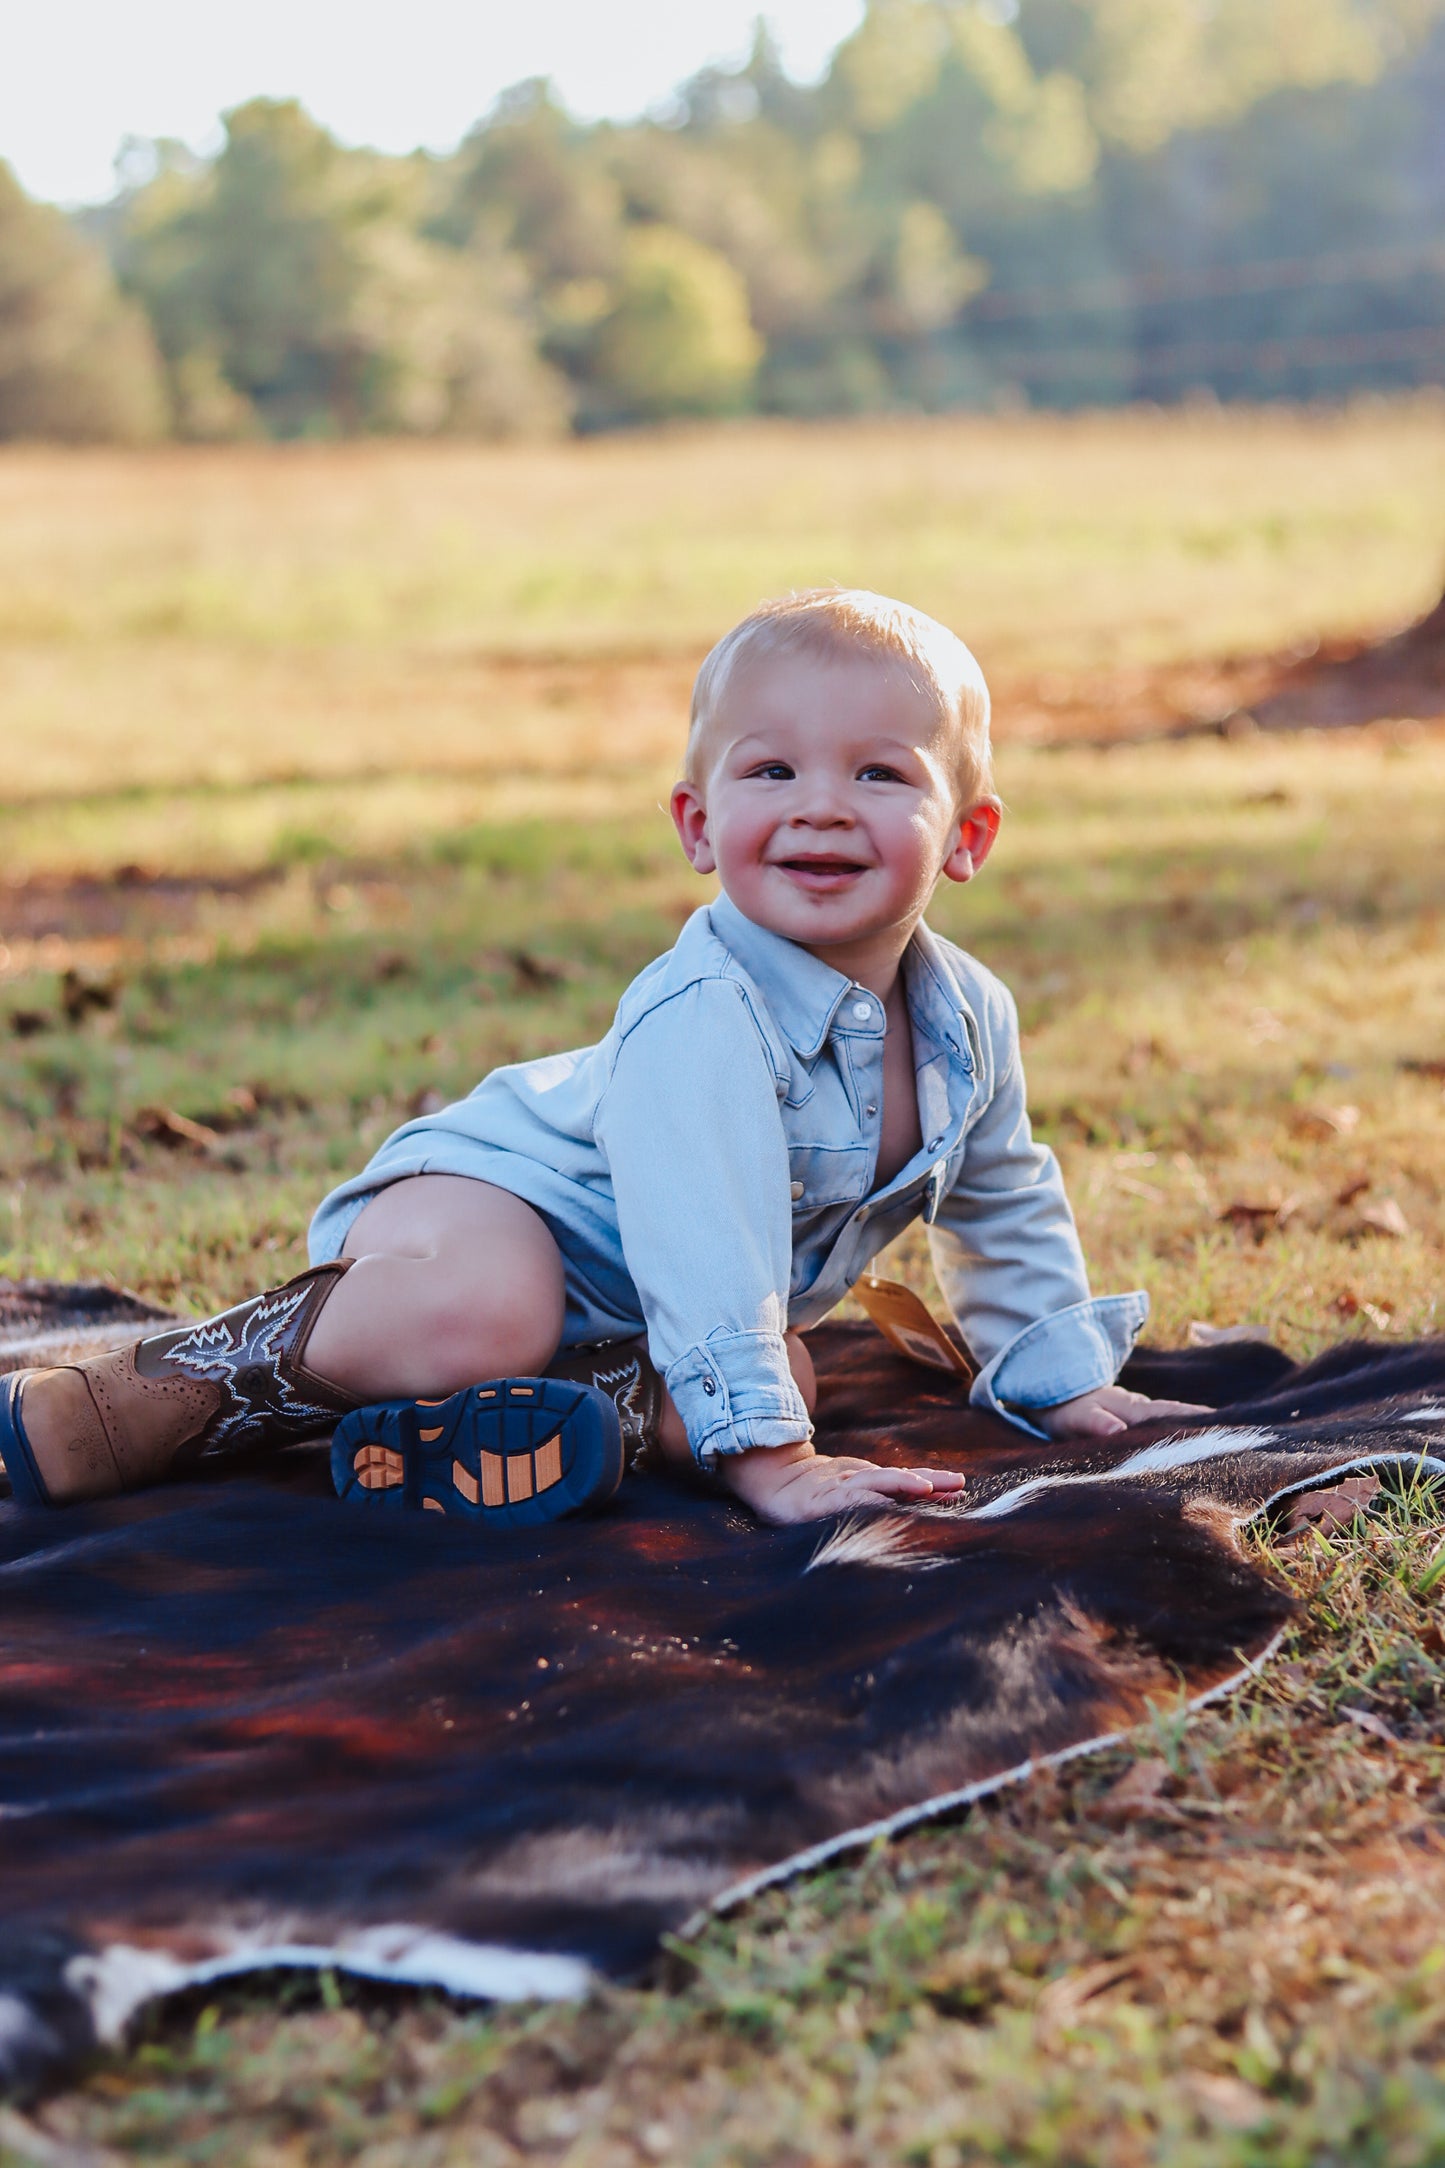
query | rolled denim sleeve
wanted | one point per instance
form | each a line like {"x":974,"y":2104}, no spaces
{"x":1008,"y":1259}
{"x":693,"y":1135}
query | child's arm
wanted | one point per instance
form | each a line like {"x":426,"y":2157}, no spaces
{"x":692,"y":1129}
{"x":1007,"y":1256}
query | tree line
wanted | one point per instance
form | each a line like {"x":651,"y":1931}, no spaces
{"x":982,"y":203}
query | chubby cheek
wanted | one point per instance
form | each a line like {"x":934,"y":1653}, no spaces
{"x":740,"y":842}
{"x":911,"y":852}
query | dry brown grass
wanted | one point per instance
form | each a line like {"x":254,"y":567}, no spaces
{"x":229,"y":616}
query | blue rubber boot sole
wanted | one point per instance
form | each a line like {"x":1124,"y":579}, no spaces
{"x":25,"y":1483}
{"x":512,"y":1453}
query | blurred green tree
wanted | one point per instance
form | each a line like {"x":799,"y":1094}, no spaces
{"x":678,"y":338}
{"x":293,"y":289}
{"x":1074,"y":201}
{"x":77,"y":362}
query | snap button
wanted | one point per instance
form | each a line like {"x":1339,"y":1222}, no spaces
{"x":862,"y":1010}
{"x":795,"y":1190}
{"x":708,"y":1387}
{"x":933,"y":1142}
{"x":874,"y":1110}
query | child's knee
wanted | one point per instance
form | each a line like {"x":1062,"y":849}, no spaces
{"x":477,"y":1332}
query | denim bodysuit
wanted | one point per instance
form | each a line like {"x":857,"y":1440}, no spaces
{"x":708,"y":1173}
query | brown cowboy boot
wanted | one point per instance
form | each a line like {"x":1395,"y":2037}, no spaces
{"x":120,"y":1422}
{"x":623,"y":1370}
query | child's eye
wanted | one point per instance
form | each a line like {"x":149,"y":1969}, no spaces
{"x":772,"y":771}
{"x":877,"y":772}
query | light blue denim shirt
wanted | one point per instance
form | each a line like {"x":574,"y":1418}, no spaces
{"x":708,"y":1172}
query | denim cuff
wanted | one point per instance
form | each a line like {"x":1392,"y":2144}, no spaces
{"x":1057,"y":1358}
{"x":734,"y":1391}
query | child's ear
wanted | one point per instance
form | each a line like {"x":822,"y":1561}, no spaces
{"x":689,"y":818}
{"x":973,"y":839}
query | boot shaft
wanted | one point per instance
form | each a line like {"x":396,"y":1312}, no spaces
{"x":623,"y":1370}
{"x":122,"y":1421}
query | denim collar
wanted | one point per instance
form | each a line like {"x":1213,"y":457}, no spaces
{"x":804,"y":994}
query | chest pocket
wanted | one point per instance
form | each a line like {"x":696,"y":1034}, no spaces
{"x":828,"y":1174}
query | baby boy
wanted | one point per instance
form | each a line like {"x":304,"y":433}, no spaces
{"x":806,"y":1072}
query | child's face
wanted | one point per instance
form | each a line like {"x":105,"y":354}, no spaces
{"x":827,"y":802}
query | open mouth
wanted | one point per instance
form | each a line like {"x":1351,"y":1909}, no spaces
{"x":821,"y":872}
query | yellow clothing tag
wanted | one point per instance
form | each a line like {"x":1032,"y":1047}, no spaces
{"x":907,"y":1324}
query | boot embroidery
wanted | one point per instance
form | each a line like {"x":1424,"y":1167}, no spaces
{"x":245,"y":1355}
{"x":625,"y":1385}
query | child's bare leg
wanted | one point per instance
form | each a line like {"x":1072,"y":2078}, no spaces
{"x":453,"y":1280}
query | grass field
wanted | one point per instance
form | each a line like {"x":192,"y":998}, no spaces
{"x":334,"y":778}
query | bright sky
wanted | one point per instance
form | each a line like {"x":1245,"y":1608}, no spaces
{"x":79,"y":75}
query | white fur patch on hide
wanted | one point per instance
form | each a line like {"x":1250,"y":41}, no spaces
{"x":115,"y":1981}
{"x":1156,"y":1459}
{"x":891,"y":1542}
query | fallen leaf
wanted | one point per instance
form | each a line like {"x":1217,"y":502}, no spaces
{"x":1202,"y":1334}
{"x":1260,"y":1214}
{"x":1336,"y":1508}
{"x":1346,"y":1303}
{"x":1385,"y":1218}
{"x":1324,"y":1122}
{"x":1062,"y":2000}
{"x":78,"y":995}
{"x":1223,"y":2099}
{"x":25,"y":1023}
{"x":26,"y":2142}
{"x":1354,"y":1188}
{"x":1139,"y":1791}
{"x":1379,"y":1315}
{"x":534,"y":973}
{"x":162,"y":1125}
{"x":239,"y":1106}
{"x":1147,"y":1054}
{"x":1431,"y":1066}
{"x":1366,"y":1720}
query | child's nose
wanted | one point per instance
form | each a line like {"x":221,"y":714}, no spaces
{"x":823,"y":805}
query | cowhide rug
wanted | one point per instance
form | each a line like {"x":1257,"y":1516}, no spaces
{"x":243,"y":1726}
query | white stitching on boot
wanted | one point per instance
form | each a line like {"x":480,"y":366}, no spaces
{"x":215,"y":1350}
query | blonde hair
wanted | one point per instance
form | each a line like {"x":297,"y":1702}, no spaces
{"x":835,"y":622}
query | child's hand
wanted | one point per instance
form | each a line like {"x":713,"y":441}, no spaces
{"x":1109,"y":1408}
{"x":793,"y":1483}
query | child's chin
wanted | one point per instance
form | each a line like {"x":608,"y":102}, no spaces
{"x":815,"y":920}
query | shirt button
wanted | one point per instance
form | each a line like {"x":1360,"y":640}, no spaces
{"x":708,"y":1387}
{"x":795,"y":1190}
{"x":863,"y":1010}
